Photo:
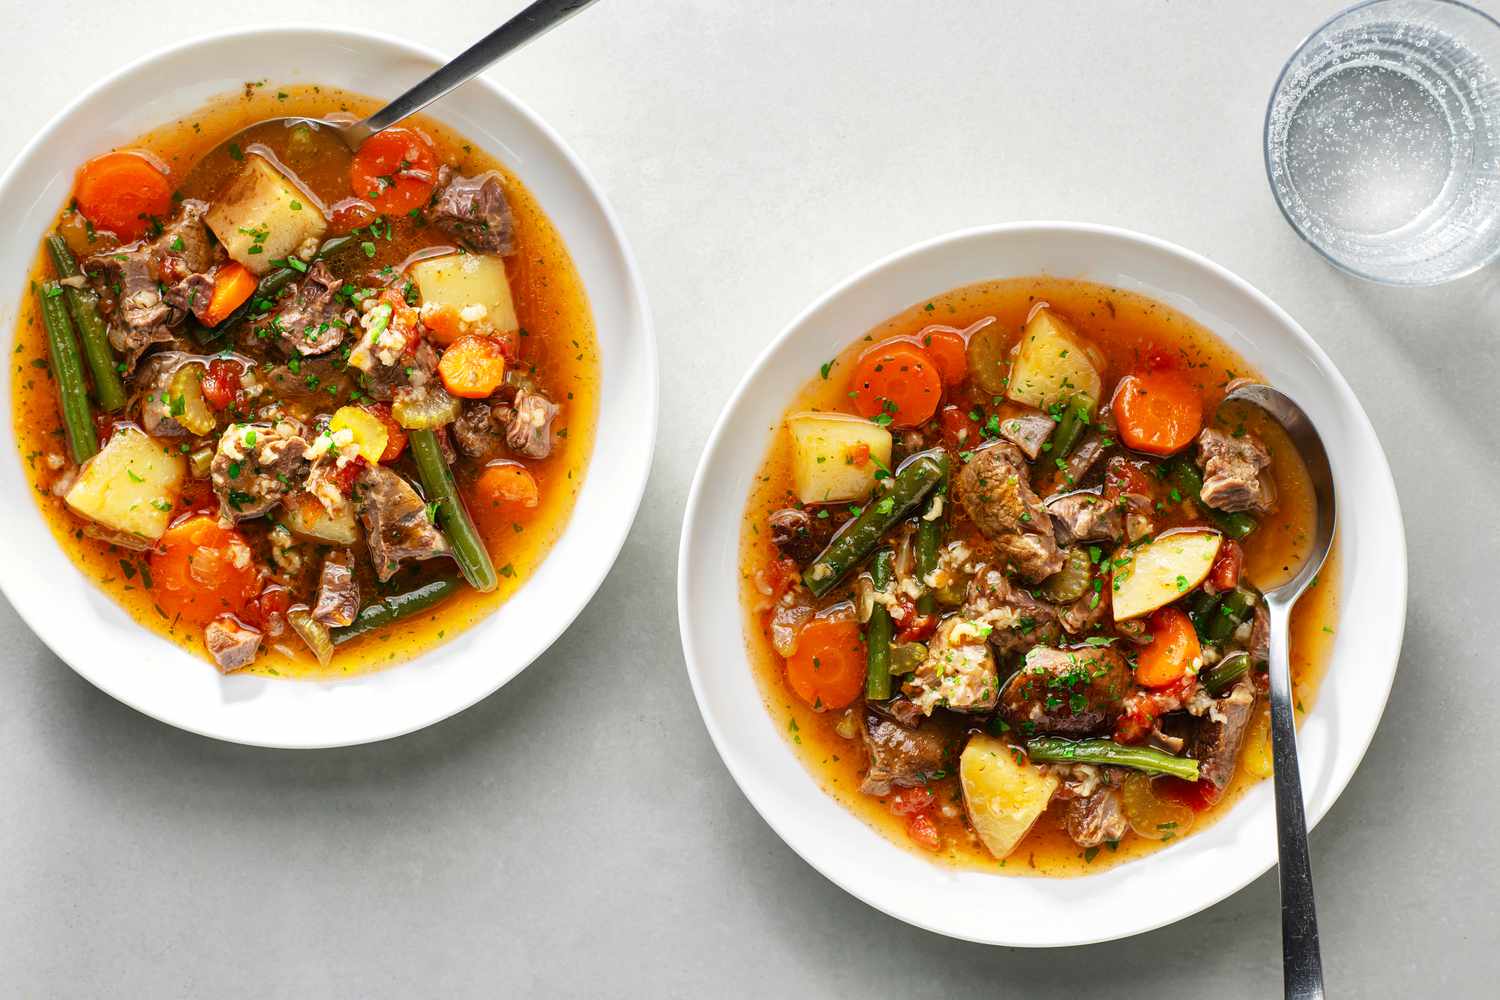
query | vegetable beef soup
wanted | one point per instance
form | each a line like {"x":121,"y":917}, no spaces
{"x":302,"y":411}
{"x":1000,"y":573}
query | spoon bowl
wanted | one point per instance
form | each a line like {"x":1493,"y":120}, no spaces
{"x":537,"y":19}
{"x":1302,"y":964}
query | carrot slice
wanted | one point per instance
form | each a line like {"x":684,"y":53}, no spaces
{"x":395,"y":170}
{"x":1174,"y":647}
{"x":828,"y":668}
{"x":202,"y":570}
{"x":897,"y":383}
{"x":507,"y":483}
{"x":233,"y":284}
{"x":121,"y":193}
{"x":949,"y":351}
{"x":1159,"y":413}
{"x":473,"y":367}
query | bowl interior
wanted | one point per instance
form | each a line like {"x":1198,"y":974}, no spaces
{"x":100,"y":641}
{"x":1169,"y":884}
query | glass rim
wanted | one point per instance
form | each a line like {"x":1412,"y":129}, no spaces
{"x":1276,"y":89}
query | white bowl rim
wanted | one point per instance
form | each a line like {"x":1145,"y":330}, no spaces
{"x":692,"y":518}
{"x":631,"y":493}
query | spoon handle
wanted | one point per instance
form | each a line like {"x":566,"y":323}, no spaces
{"x":537,"y":19}
{"x":1301,"y":958}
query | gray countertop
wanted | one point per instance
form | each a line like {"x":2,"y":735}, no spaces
{"x":576,"y":834}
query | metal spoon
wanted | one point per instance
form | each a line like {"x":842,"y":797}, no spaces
{"x":537,"y":19}
{"x":1301,"y":958}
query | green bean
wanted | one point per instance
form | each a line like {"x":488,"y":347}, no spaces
{"x":1054,"y":750}
{"x":1185,"y":478}
{"x":1072,"y":424}
{"x":83,"y":304}
{"x":849,"y":547}
{"x":878,"y":633}
{"x":1201,"y":611}
{"x":452,"y":516}
{"x":929,"y":542}
{"x":1233,"y":610}
{"x":396,"y":607}
{"x":1222,"y":675}
{"x":67,"y":368}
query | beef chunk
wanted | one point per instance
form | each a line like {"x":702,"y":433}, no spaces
{"x":231,"y":644}
{"x":338,"y":591}
{"x":528,"y":423}
{"x":1235,"y":475}
{"x":1082,"y":615}
{"x":799,"y":534}
{"x":1084,"y":456}
{"x":138,"y":317}
{"x":256,"y":465}
{"x":1220,"y":733}
{"x":192,"y":294}
{"x":1066,"y":692}
{"x":1017,"y":620}
{"x":185,"y":246}
{"x":907,"y":754}
{"x":412,"y":370}
{"x":1260,"y":634}
{"x":959,"y":672}
{"x":311,"y":320}
{"x":1097,"y":817}
{"x":1028,"y":432}
{"x":995,"y":488}
{"x":397,"y":527}
{"x":476,"y":431}
{"x":473,"y":210}
{"x":1085,"y":517}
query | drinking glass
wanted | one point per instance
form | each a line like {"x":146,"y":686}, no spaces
{"x":1383,"y":140}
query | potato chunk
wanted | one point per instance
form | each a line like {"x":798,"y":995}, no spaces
{"x":260,"y":216}
{"x":1162,"y":570}
{"x":1003,"y":795}
{"x":305,"y":517}
{"x":835,"y":456}
{"x":131,"y":486}
{"x":462,"y":280}
{"x":1054,"y":363}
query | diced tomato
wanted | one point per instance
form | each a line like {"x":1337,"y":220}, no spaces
{"x":1196,"y":795}
{"x":780,"y":575}
{"x":917,"y":628}
{"x":268,"y":609}
{"x":908,"y":801}
{"x":859,"y":454}
{"x":395,"y":434}
{"x":344,"y":476}
{"x":1225,"y":574}
{"x":351,"y":213}
{"x":1123,"y":475}
{"x":960,"y":431}
{"x":221,"y":382}
{"x":923,"y":831}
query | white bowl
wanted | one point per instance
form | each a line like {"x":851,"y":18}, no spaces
{"x":99,"y":640}
{"x":1136,"y":896}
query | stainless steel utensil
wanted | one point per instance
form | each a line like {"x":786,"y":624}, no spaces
{"x":1302,"y":962}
